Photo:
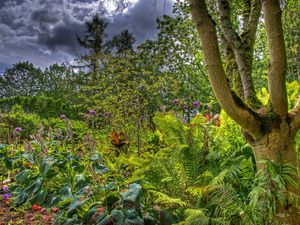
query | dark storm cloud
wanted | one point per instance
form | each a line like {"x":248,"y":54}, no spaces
{"x":62,"y":37}
{"x":44,"y":31}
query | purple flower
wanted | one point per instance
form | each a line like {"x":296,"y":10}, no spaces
{"x":5,"y":188}
{"x":93,"y":112}
{"x":105,"y":114}
{"x":176,"y":101}
{"x":63,"y":116}
{"x":186,"y":107}
{"x":18,"y":129}
{"x":6,"y":196}
{"x":196,"y":104}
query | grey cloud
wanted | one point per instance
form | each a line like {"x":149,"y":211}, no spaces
{"x":44,"y":31}
{"x":43,"y":16}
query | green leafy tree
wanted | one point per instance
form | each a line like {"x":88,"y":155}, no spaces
{"x":60,"y":80}
{"x":23,"y":79}
{"x":175,"y":64}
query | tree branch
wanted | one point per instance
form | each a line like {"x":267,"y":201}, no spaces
{"x":246,"y":12}
{"x":232,"y":105}
{"x":295,"y":117}
{"x":250,"y":24}
{"x":295,"y":112}
{"x":243,"y":52}
{"x":229,"y":33}
{"x":278,"y":61}
{"x":231,"y":68}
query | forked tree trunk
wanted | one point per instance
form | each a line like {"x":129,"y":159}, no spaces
{"x":278,"y":146}
{"x":271,"y":138}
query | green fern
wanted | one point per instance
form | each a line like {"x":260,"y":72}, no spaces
{"x":163,"y":199}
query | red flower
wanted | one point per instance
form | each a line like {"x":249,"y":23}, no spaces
{"x":208,"y":117}
{"x":36,"y":207}
{"x":101,"y":209}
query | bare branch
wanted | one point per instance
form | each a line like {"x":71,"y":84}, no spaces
{"x":232,"y":105}
{"x":278,"y":61}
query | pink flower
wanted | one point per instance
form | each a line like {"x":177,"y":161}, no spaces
{"x":5,"y":188}
{"x":55,"y":209}
{"x":43,"y":210}
{"x":45,"y":217}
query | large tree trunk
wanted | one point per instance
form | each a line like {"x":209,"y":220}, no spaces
{"x":278,"y":146}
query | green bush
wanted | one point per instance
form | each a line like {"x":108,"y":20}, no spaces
{"x":28,"y":122}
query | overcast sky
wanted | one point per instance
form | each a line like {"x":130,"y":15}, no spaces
{"x":43,"y":31}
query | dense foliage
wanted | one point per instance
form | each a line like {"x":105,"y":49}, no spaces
{"x":134,"y":136}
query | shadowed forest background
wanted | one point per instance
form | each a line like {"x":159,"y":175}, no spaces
{"x":133,"y":134}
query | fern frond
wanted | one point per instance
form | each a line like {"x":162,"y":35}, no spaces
{"x":164,"y":199}
{"x":198,"y":191}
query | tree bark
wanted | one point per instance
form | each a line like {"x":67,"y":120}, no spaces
{"x":278,"y":146}
{"x":278,"y":61}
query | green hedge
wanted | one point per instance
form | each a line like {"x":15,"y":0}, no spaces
{"x":41,"y":105}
